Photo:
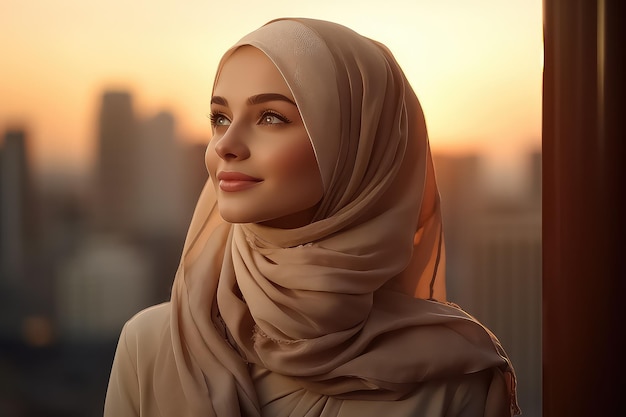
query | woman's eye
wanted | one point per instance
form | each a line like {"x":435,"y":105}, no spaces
{"x":218,"y":119}
{"x":271,"y":118}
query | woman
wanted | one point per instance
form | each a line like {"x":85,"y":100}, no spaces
{"x":310,"y":274}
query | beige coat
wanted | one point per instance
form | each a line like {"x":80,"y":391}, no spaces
{"x":130,"y":391}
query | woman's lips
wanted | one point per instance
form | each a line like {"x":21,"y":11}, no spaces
{"x":236,"y":181}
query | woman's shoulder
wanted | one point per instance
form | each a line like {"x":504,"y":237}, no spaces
{"x":143,"y":339}
{"x":148,"y":326}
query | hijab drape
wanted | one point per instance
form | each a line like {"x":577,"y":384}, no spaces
{"x":332,"y":305}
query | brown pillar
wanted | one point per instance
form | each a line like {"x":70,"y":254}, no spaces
{"x":584,"y":249}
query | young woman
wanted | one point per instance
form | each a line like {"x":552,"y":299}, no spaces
{"x":312,"y":278}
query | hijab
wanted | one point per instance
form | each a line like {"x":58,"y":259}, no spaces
{"x":344,"y":306}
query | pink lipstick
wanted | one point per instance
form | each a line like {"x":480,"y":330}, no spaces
{"x":236,"y":181}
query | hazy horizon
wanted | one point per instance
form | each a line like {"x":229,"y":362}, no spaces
{"x":477,"y":68}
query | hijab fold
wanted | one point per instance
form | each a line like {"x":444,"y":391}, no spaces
{"x":338,"y":306}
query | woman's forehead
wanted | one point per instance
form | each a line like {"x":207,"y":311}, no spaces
{"x":247,"y":69}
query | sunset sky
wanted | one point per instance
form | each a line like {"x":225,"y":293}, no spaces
{"x":475,"y":65}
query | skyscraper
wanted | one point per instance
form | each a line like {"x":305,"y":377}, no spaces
{"x":159,"y":209}
{"x":494,"y":267}
{"x":16,"y":222}
{"x":15,"y":193}
{"x":116,"y":164}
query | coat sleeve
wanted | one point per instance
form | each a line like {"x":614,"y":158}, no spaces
{"x":122,"y":397}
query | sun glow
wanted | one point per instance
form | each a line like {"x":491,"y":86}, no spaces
{"x":473,"y":65}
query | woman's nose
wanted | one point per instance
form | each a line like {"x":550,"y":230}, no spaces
{"x":231,"y":145}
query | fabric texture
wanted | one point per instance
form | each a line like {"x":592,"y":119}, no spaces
{"x":340,"y":312}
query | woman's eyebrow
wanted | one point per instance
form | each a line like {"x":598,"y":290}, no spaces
{"x":262,"y":98}
{"x":219,"y":100}
{"x":256,"y":99}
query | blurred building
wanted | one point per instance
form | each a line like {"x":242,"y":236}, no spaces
{"x":116,"y":162}
{"x":15,"y":188}
{"x":146,"y":179}
{"x":104,"y":284}
{"x":147,"y":183}
{"x":462,"y":191}
{"x":89,"y":257}
{"x":17,"y":222}
{"x":159,"y":191}
{"x":196,"y":174}
{"x":505,"y":290}
{"x":494,"y":262}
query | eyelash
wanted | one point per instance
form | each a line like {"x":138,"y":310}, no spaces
{"x":263,"y":114}
{"x":213,"y":116}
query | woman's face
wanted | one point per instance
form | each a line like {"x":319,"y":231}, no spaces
{"x":260,"y":158}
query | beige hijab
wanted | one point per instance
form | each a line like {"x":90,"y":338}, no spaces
{"x":332,"y":305}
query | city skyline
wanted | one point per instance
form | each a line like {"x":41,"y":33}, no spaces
{"x":506,"y":177}
{"x":89,"y":267}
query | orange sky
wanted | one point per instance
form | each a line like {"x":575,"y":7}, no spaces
{"x":475,"y":65}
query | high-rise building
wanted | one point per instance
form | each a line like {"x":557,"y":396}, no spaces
{"x":14,"y":195}
{"x":17,"y":222}
{"x":504,"y":289}
{"x":462,"y":192}
{"x":159,"y":196}
{"x":116,"y":163}
{"x":494,"y":265}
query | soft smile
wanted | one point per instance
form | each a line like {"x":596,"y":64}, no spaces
{"x":236,"y":181}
